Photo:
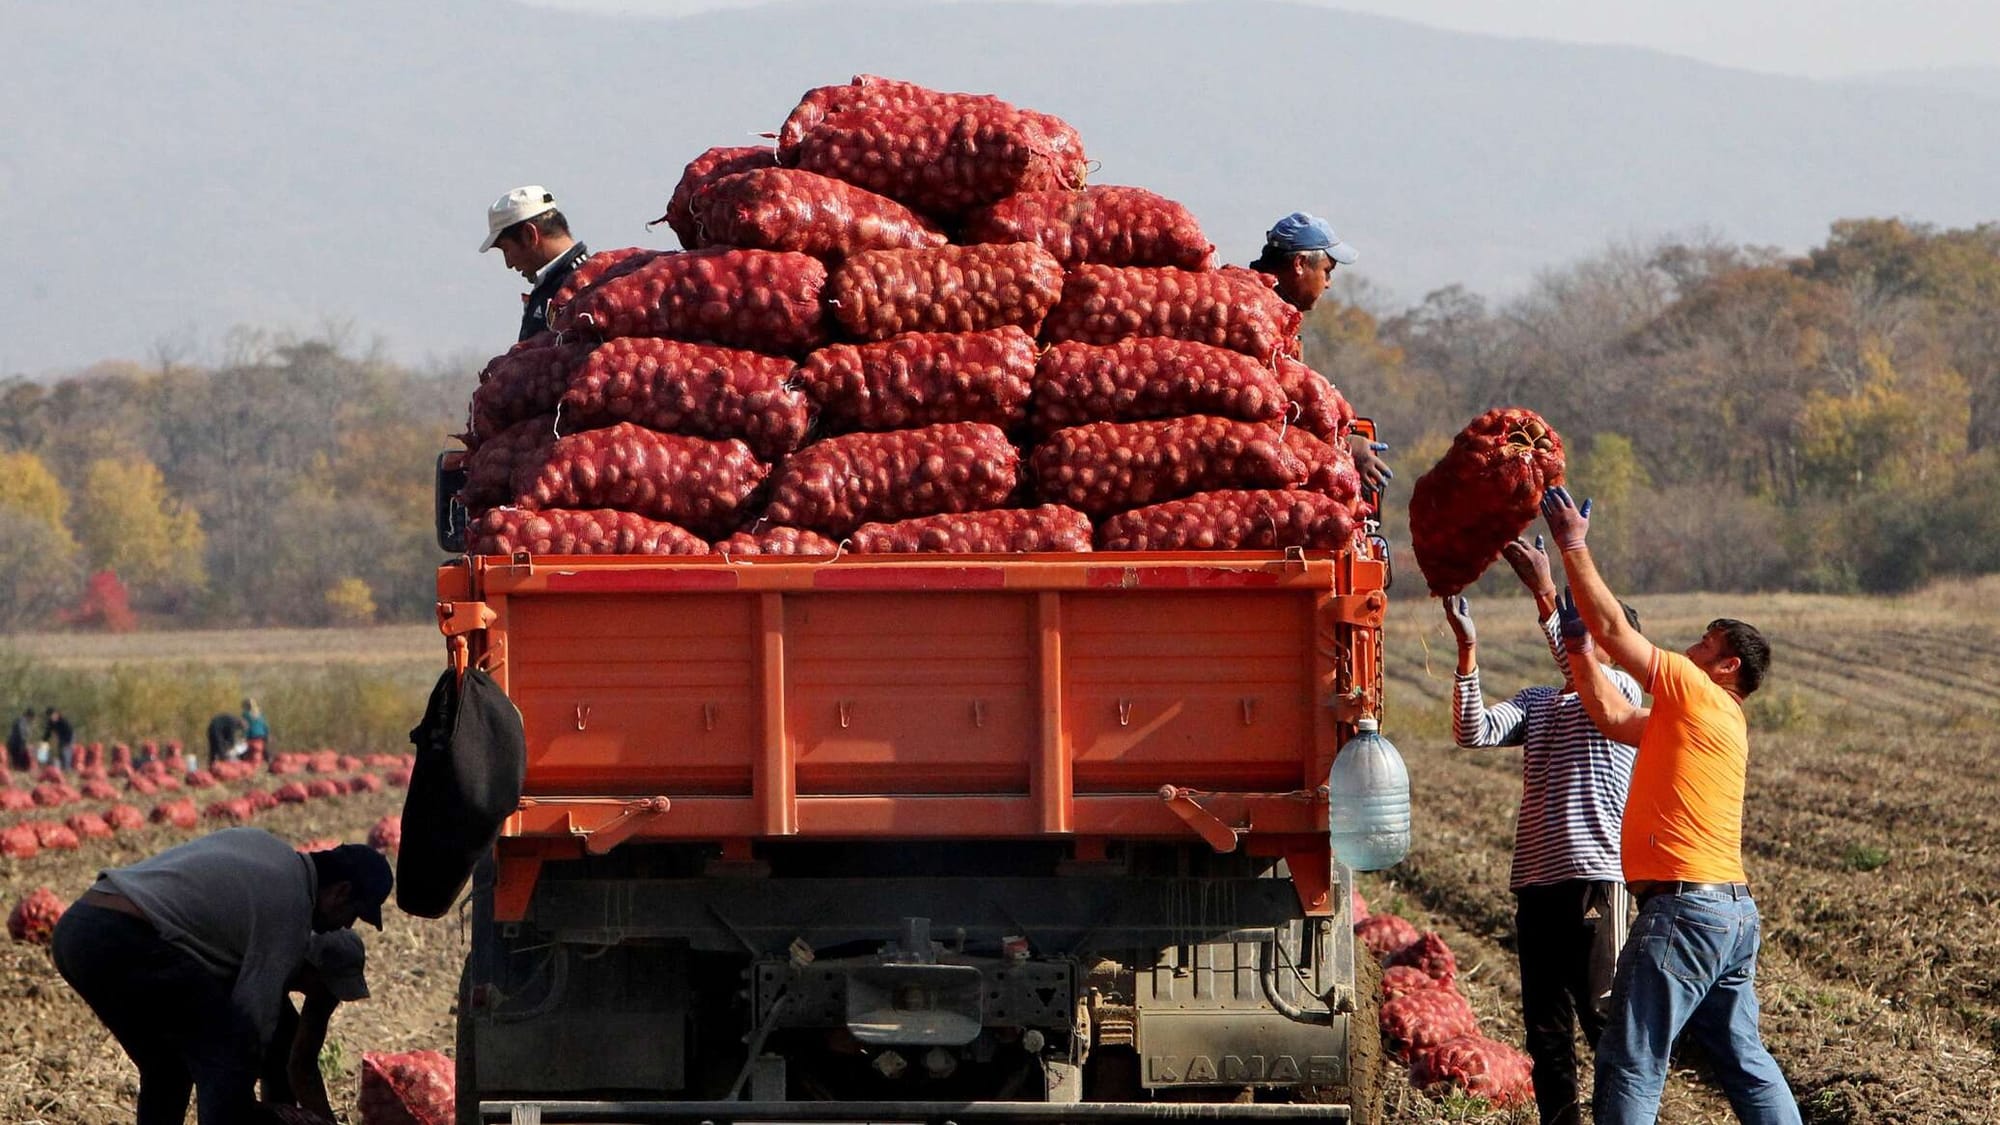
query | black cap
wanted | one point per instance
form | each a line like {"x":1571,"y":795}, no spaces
{"x":369,"y":873}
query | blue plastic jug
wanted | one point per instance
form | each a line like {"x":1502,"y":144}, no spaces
{"x":1368,"y":802}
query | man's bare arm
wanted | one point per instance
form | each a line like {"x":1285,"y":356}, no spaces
{"x":302,"y":1067}
{"x":1599,"y":607}
{"x":1617,"y":717}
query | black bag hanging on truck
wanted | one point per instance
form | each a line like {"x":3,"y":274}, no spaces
{"x":471,"y":763}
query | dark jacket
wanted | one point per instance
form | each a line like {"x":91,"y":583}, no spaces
{"x":535,"y":317}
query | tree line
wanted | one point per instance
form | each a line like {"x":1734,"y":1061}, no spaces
{"x":1822,"y":422}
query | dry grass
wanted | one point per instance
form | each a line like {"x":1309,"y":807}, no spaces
{"x":383,"y":644}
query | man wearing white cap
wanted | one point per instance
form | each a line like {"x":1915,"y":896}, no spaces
{"x":534,"y":239}
{"x":335,"y":970}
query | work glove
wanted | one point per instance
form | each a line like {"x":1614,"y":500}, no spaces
{"x":1568,"y":524}
{"x":1575,"y":634}
{"x":1531,"y":565}
{"x":1459,"y":616}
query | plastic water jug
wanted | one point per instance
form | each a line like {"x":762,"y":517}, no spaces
{"x":1368,"y":802}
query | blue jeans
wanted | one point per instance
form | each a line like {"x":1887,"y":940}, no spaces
{"x":1691,"y":963}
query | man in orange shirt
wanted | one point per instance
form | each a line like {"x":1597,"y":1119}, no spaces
{"x":1691,"y":960}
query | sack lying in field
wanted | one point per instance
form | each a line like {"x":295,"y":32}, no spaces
{"x":891,"y":97}
{"x":699,"y":173}
{"x":1358,"y":904}
{"x":1232,"y":520}
{"x":489,"y":469}
{"x":881,"y":293}
{"x":1107,"y":467}
{"x":922,"y":378}
{"x":836,"y":485}
{"x":1226,"y":308}
{"x":1428,"y":955}
{"x":1050,"y":527}
{"x":704,"y":486}
{"x":774,"y":540}
{"x":943,"y":158}
{"x":16,"y":799}
{"x":1398,"y":980}
{"x":1425,"y":1018}
{"x":386,"y":834}
{"x":695,"y":389}
{"x":1498,"y":1072}
{"x":19,"y":842}
{"x":1109,"y":225}
{"x":1485,"y":491}
{"x":89,"y":826}
{"x":413,"y":1088}
{"x":765,"y":300}
{"x":1322,"y":410}
{"x":1149,"y":377}
{"x":525,"y":382}
{"x":180,"y":813}
{"x":600,"y":531}
{"x":793,"y":209}
{"x":54,"y":835}
{"x":236,"y":810}
{"x":34,"y":918}
{"x":1384,"y":934}
{"x":124,"y":818}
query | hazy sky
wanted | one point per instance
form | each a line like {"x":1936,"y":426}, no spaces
{"x":1821,"y":38}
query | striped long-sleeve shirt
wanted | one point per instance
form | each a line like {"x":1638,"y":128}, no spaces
{"x":1573,"y":778}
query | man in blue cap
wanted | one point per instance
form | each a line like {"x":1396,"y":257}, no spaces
{"x":1301,"y":251}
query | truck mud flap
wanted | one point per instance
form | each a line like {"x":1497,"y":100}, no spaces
{"x":896,"y":1113}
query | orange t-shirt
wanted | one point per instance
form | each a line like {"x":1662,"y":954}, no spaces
{"x":1684,"y":811}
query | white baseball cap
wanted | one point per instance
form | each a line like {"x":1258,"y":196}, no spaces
{"x":521,"y":203}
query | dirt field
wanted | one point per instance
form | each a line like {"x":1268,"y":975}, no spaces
{"x":1871,"y":836}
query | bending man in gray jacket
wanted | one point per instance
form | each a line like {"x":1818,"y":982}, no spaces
{"x":186,"y":956}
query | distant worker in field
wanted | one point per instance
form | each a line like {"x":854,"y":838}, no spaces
{"x":1301,"y":252}
{"x":1570,"y":903}
{"x":334,"y":971}
{"x":226,"y":740}
{"x":256,"y":732}
{"x":60,"y":734}
{"x":534,"y":239}
{"x":186,"y":957}
{"x":20,"y":742}
{"x":1691,"y":962}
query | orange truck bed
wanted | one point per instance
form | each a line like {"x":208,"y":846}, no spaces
{"x":1093,"y":697}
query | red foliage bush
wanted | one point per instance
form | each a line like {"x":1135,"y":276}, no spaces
{"x":105,"y":604}
{"x":793,"y":209}
{"x":943,"y":158}
{"x":1050,"y":527}
{"x":836,"y":485}
{"x":699,"y":390}
{"x":1108,"y":225}
{"x":765,"y":300}
{"x":1416,"y":1021}
{"x":34,"y":918}
{"x":1384,"y":934}
{"x":704,"y":486}
{"x":1485,"y":491}
{"x":922,"y":378}
{"x":1148,"y":377}
{"x":881,"y":293}
{"x":414,"y":1088}
{"x":1226,"y":308}
{"x":1232,"y":520}
{"x":1107,"y":467}
{"x":775,"y":540}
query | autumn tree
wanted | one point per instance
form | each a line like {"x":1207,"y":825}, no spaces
{"x":128,"y":523}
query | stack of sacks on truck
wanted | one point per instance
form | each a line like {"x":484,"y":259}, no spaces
{"x":910,"y":326}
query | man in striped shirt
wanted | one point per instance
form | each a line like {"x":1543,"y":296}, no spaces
{"x":1569,"y":891}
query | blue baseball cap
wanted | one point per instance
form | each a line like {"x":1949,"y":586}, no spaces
{"x":1299,"y":232}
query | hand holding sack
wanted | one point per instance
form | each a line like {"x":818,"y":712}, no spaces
{"x":704,"y":486}
{"x":883,"y":293}
{"x":835,"y":486}
{"x":792,"y":209}
{"x":922,"y":378}
{"x":1484,"y":492}
{"x":764,"y":300}
{"x":1107,"y":467}
{"x":699,"y":173}
{"x":1109,"y":225}
{"x":1227,"y":308}
{"x":695,"y":389}
{"x":1146,"y":378}
{"x":1233,"y":520}
{"x":558,"y":531}
{"x":1050,"y":527}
